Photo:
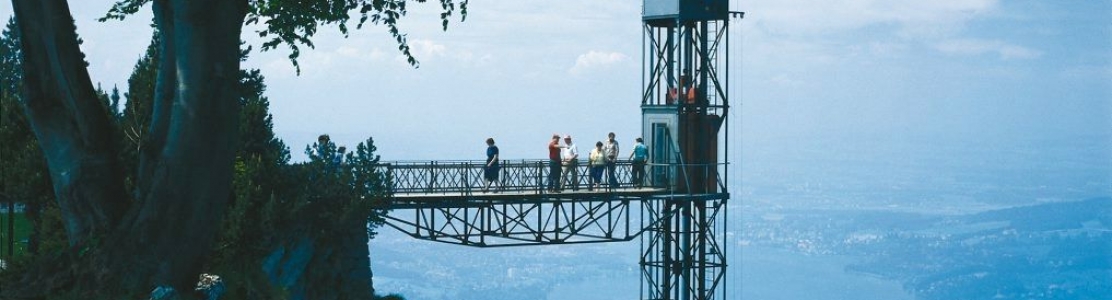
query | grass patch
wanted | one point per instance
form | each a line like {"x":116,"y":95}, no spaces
{"x":21,"y":233}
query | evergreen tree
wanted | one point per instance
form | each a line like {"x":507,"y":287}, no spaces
{"x":259,"y":183}
{"x":23,"y":173}
{"x":272,"y":206}
{"x":135,"y":119}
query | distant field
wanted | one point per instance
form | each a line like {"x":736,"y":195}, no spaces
{"x":22,"y":232}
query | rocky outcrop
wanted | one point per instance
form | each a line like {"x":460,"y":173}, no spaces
{"x":332,"y":266}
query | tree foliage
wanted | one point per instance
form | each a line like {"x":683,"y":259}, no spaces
{"x":346,"y":188}
{"x":135,"y":119}
{"x":277,"y":204}
{"x":23,"y":173}
{"x":293,"y":23}
{"x":142,"y":200}
{"x":272,"y":199}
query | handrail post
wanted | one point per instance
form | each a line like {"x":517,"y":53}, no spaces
{"x":432,"y":177}
{"x":502,"y":178}
{"x":393,"y":188}
{"x":540,"y":178}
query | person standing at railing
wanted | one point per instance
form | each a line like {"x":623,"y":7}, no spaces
{"x":338,"y":159}
{"x":610,"y":150}
{"x":491,"y":168}
{"x":596,"y":161}
{"x":324,"y":146}
{"x":326,"y":150}
{"x":639,"y":156}
{"x":554,"y":164}
{"x":570,"y":155}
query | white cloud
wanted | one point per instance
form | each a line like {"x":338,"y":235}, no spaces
{"x":595,"y":60}
{"x":427,"y":48}
{"x":980,"y":47}
{"x":311,"y":64}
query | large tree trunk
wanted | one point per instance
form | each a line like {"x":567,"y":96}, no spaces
{"x":185,"y":170}
{"x":71,"y":124}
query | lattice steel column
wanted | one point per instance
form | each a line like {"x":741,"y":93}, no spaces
{"x":682,"y":257}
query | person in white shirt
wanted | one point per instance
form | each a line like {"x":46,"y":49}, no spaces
{"x":610,"y":151}
{"x":570,"y":156}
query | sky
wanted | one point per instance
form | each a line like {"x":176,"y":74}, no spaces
{"x":844,"y":75}
{"x":856,"y":71}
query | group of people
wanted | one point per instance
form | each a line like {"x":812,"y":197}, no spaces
{"x":324,"y":150}
{"x":563,"y":163}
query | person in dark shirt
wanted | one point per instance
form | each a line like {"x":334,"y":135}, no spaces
{"x":491,"y":168}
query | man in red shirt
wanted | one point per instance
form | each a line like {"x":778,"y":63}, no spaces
{"x":554,"y":164}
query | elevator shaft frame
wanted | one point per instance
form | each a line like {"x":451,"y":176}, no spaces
{"x":685,"y":102}
{"x":681,"y":257}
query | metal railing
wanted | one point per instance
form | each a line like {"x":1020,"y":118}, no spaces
{"x":462,"y":178}
{"x":687,"y":178}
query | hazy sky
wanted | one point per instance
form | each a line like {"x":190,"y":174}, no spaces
{"x":519,"y":71}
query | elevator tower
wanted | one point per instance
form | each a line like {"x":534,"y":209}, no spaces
{"x":684,"y":105}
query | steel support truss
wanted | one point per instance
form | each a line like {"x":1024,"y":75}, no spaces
{"x":520,"y":221}
{"x":682,"y":247}
{"x":682,"y":254}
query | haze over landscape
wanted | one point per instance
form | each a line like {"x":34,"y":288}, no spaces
{"x":879,"y":150}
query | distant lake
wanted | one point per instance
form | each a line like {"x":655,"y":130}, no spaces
{"x":771,"y":274}
{"x":841,"y":219}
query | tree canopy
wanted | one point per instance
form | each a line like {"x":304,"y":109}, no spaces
{"x":143,"y":196}
{"x":293,"y":23}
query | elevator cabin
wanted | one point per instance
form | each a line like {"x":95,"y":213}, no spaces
{"x":684,"y":103}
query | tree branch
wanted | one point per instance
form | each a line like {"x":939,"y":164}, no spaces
{"x":164,"y":90}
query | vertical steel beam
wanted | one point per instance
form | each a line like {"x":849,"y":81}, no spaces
{"x":681,"y":254}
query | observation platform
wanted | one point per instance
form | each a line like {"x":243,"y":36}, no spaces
{"x":444,"y":201}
